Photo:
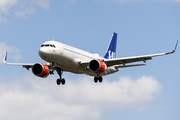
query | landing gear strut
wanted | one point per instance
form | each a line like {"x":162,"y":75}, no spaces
{"x":59,"y":71}
{"x":61,"y":80}
{"x":96,"y":78}
{"x":52,"y":69}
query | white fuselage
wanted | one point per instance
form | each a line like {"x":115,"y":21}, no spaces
{"x":68,"y":58}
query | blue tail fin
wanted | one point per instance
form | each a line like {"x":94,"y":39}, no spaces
{"x":111,"y":50}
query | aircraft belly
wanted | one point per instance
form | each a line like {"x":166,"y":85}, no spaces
{"x":76,"y":70}
{"x":79,"y":70}
{"x":62,"y":61}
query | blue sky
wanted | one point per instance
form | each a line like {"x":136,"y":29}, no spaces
{"x":138,"y":93}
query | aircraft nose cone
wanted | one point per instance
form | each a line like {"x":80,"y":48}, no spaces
{"x":43,"y":52}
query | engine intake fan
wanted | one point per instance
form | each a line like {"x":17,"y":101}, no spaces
{"x":97,"y":66}
{"x":40,"y":70}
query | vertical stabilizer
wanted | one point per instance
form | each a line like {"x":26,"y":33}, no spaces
{"x":111,"y":50}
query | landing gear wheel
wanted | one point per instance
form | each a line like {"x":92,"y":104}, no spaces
{"x":63,"y":81}
{"x":95,"y":79}
{"x":98,"y":78}
{"x":58,"y":81}
{"x":51,"y":72}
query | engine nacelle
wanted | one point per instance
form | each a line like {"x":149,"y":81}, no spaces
{"x":97,"y":66}
{"x":40,"y":70}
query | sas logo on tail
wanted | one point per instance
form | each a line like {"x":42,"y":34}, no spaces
{"x":111,"y":55}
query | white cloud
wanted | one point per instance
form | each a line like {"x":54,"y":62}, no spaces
{"x":27,"y":11}
{"x":14,"y":52}
{"x":6,"y":4}
{"x":23,"y":7}
{"x":29,"y":97}
{"x":43,"y":3}
{"x":28,"y":7}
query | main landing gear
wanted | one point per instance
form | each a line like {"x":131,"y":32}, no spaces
{"x":62,"y":80}
{"x":98,"y":78}
{"x":59,"y":71}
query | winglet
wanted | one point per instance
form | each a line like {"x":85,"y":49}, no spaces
{"x":173,"y":49}
{"x":5,"y":58}
{"x":175,"y":46}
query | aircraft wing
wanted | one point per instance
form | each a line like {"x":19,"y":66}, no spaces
{"x":126,"y":60}
{"x":25,"y":65}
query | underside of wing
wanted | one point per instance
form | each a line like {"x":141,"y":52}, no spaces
{"x":84,"y":63}
{"x":126,"y":60}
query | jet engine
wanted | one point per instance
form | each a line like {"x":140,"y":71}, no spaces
{"x":97,"y":66}
{"x":40,"y":70}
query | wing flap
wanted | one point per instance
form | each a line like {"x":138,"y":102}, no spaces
{"x":129,"y":66}
{"x":126,"y":60}
{"x":118,"y":61}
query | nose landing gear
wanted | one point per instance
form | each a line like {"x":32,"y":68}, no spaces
{"x":61,"y":80}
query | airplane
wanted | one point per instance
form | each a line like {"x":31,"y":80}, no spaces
{"x":62,"y":57}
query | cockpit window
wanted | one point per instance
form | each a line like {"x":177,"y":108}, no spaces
{"x":48,"y":45}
